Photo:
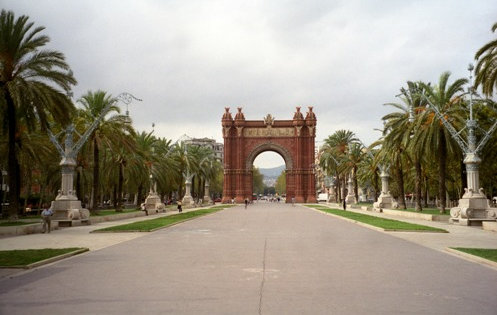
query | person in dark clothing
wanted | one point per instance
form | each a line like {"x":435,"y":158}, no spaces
{"x":344,"y":204}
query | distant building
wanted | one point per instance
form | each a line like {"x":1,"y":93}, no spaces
{"x":216,"y":147}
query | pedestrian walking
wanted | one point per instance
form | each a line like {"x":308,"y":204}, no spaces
{"x":344,"y":204}
{"x":180,"y":209}
{"x":246,"y":203}
{"x":46,"y":216}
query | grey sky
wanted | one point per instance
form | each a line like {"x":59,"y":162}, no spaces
{"x":188,"y":60}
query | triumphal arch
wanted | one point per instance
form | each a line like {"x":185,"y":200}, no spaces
{"x":245,"y":139}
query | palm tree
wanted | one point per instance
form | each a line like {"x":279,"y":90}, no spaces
{"x":353,"y":159}
{"x":404,"y":130}
{"x":33,"y":84}
{"x":486,"y":68}
{"x":165,"y":170}
{"x":139,"y":164}
{"x":447,"y":99}
{"x":109,"y":130}
{"x":337,"y":147}
{"x":328,"y":161}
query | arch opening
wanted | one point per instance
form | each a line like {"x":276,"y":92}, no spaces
{"x":269,"y":176}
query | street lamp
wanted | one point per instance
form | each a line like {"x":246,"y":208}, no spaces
{"x":66,"y":205}
{"x":474,"y":206}
{"x":385,"y":200}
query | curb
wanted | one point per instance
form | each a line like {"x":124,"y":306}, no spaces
{"x":472,"y":258}
{"x":48,"y":260}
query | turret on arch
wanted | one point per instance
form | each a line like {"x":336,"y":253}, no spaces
{"x":292,"y":139}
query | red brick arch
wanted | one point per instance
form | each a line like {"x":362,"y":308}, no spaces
{"x":293,"y":139}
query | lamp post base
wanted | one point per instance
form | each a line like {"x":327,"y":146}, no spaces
{"x":153,"y":204}
{"x":385,"y":201}
{"x":473,"y":209}
{"x":69,"y":211}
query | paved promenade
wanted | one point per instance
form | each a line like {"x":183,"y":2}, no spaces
{"x":268,"y":259}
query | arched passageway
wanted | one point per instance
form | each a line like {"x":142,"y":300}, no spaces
{"x":293,"y":139}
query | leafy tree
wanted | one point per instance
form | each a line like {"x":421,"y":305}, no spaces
{"x":447,"y":98}
{"x":486,"y":68}
{"x":110,"y":131}
{"x":334,"y":155}
{"x":281,"y":183}
{"x":400,"y":142}
{"x":34,"y":83}
{"x":258,"y":185}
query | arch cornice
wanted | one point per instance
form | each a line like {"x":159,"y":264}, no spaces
{"x":269,"y":146}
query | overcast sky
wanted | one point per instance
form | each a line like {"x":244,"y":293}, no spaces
{"x":188,"y":60}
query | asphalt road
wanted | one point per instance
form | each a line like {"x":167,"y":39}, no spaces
{"x":268,"y":259}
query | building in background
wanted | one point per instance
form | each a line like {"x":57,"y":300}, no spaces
{"x":216,"y":147}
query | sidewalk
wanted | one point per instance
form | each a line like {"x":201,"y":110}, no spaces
{"x":458,"y":236}
{"x":80,"y":236}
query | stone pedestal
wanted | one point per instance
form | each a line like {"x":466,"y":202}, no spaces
{"x":207,"y":199}
{"x":350,"y":199}
{"x":66,"y":206}
{"x":187,"y":200}
{"x":385,"y":201}
{"x":153,"y":204}
{"x":68,"y":210}
{"x":473,"y":209}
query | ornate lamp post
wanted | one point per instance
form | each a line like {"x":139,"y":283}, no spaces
{"x":385,"y":200}
{"x":350,"y":199}
{"x":66,"y":205}
{"x":473,"y":207}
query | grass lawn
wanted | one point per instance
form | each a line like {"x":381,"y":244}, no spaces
{"x":22,"y":258}
{"x":151,"y":225}
{"x":490,"y":254}
{"x":386,"y":224}
{"x":16,"y":223}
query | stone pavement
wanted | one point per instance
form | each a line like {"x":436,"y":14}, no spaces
{"x":268,"y":259}
{"x":458,"y":236}
{"x":78,"y":236}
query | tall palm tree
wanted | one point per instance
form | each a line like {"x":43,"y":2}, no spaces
{"x":109,"y":130}
{"x":448,"y":100}
{"x":139,"y":163}
{"x":337,"y":146}
{"x":34,"y":83}
{"x":404,"y":127}
{"x":486,"y":68}
{"x":353,"y":159}
{"x":165,"y":170}
{"x":328,"y":161}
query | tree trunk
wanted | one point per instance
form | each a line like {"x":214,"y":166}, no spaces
{"x":139,"y":196}
{"x":114,"y":197}
{"x":339,"y":190}
{"x":119,"y":207}
{"x":400,"y":179}
{"x":417,"y":184}
{"x":356,"y":189}
{"x":442,"y":156}
{"x":425,"y":197}
{"x":96,"y":171}
{"x":29,"y":180}
{"x":13,"y":167}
